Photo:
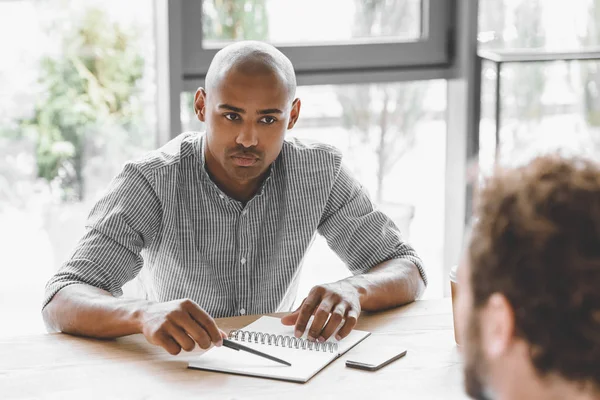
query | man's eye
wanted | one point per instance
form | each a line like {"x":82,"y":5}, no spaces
{"x":232,"y":116}
{"x":267,"y":120}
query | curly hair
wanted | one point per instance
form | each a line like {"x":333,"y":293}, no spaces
{"x":536,"y":240}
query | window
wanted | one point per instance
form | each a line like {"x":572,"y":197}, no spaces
{"x":343,"y":34}
{"x":396,"y":149}
{"x":545,"y":106}
{"x":77,"y":102}
{"x":269,"y":20}
{"x":539,"y":24}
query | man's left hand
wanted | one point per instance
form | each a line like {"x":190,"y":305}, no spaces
{"x":339,"y":299}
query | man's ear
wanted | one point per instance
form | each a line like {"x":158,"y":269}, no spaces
{"x":294,"y":113}
{"x":200,"y":104}
{"x":497,"y":326}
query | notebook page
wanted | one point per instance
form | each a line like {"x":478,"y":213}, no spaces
{"x":305,"y":363}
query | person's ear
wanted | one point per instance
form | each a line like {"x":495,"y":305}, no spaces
{"x":497,"y":326}
{"x":200,"y":104}
{"x":294,"y":113}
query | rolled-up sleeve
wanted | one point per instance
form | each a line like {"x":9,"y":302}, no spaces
{"x":361,"y":235}
{"x":120,"y":225}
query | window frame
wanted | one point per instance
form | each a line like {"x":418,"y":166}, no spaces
{"x":432,"y":50}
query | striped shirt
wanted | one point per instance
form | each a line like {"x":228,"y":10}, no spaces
{"x":165,"y":214}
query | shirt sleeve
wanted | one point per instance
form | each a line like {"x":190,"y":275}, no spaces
{"x":360,"y":235}
{"x":119,"y":226}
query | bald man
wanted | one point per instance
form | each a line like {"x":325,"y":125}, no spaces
{"x":220,"y":222}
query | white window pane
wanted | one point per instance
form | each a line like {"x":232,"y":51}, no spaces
{"x":393,"y":137}
{"x":539,"y":24}
{"x":545,"y":107}
{"x":310,"y":21}
{"x":77,"y":101}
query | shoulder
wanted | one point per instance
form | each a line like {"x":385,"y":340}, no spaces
{"x":170,"y":155}
{"x":311,"y":155}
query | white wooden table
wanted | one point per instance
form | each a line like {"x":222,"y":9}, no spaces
{"x":59,"y":366}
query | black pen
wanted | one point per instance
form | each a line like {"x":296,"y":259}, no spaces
{"x":236,"y":346}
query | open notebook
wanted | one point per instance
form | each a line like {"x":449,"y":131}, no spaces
{"x":306,"y":360}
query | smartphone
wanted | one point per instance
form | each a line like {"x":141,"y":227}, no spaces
{"x":374,"y":360}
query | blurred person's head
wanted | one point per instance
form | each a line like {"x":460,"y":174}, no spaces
{"x":529,"y":283}
{"x":247,"y":104}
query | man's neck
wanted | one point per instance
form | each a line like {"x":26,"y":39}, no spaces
{"x":240,"y":191}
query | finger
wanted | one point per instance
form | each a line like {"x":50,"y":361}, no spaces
{"x":193,"y":329}
{"x":334,"y":321}
{"x":307,"y":309}
{"x":223,"y":334}
{"x":349,"y":324}
{"x":181,"y":337}
{"x":321,"y":316}
{"x":168,"y":343}
{"x":291,"y":318}
{"x":206,"y":321}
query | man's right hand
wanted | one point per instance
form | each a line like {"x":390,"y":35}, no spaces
{"x":179,"y":324}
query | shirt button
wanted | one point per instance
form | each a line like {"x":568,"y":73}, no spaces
{"x":242,"y":311}
{"x":244,"y":212}
{"x":221,"y":196}
{"x":243,"y":260}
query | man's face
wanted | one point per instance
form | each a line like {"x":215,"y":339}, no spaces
{"x":469,"y":330}
{"x":246,"y":118}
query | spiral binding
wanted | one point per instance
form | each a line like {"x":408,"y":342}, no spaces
{"x":281,"y":340}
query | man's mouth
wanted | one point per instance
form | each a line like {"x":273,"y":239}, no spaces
{"x":243,"y":160}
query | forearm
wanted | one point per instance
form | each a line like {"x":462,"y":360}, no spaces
{"x":389,"y":284}
{"x":89,"y":311}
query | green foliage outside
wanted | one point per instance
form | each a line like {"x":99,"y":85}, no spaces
{"x":388,"y":112}
{"x":228,"y":20}
{"x":529,"y":81}
{"x":90,"y":87}
{"x":523,"y":83}
{"x":526,"y":83}
{"x":590,"y":71}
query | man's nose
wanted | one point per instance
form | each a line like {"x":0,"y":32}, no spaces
{"x":247,"y":137}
